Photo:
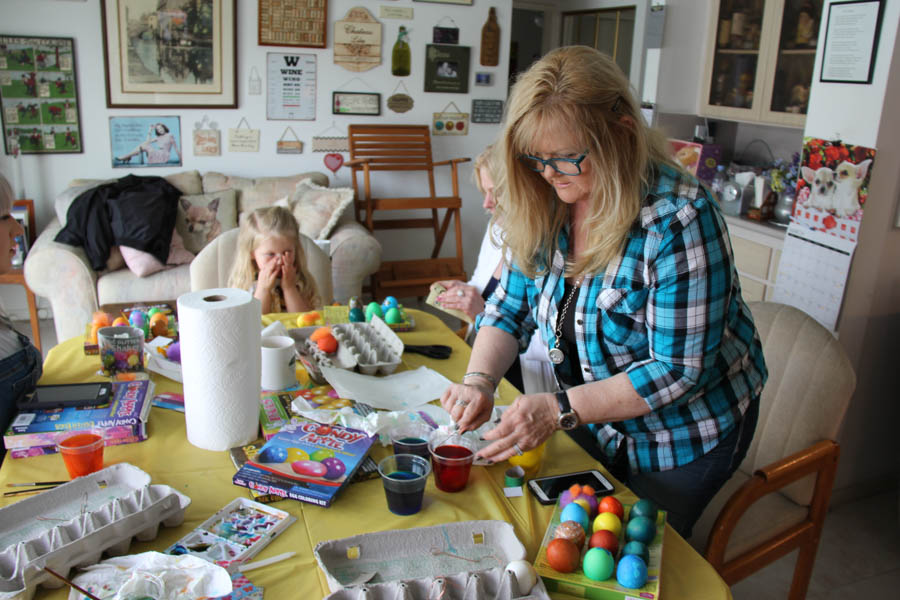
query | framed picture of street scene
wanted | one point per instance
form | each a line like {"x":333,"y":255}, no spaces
{"x":173,"y":54}
{"x":39,"y":95}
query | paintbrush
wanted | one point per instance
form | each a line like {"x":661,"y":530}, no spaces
{"x":34,"y":483}
{"x":28,"y":491}
{"x":71,"y":585}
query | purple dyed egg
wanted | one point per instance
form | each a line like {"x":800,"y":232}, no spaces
{"x":173,"y":352}
{"x":310,"y":468}
{"x":137,"y":318}
{"x":335,"y":466}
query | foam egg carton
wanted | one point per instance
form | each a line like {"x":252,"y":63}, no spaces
{"x":463,"y":560}
{"x":372,"y":348}
{"x":74,"y":524}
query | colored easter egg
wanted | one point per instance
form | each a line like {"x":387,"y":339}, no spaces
{"x":608,"y":521}
{"x":631,"y":572}
{"x":272,"y":454}
{"x":638,"y":549}
{"x":295,"y":454}
{"x":356,"y":315}
{"x":598,"y":564}
{"x":310,"y":468}
{"x":120,"y":322}
{"x":159,"y":324}
{"x":173,"y":352}
{"x":101,"y":318}
{"x":525,"y":574}
{"x":583,"y":503}
{"x":108,"y":359}
{"x":393,"y":316}
{"x":573,"y":512}
{"x":612,"y":505}
{"x":388,"y":303}
{"x":321,"y":454}
{"x":335,"y":468}
{"x":563,"y":555}
{"x":644,"y":508}
{"x":308,"y":318}
{"x":571,"y":531}
{"x":137,"y":318}
{"x":353,"y":302}
{"x":604,"y":538}
{"x":373,"y":309}
{"x":327,"y":344}
{"x":641,"y":529}
{"x":153,"y":311}
{"x":133,"y":360}
{"x":319,"y":333}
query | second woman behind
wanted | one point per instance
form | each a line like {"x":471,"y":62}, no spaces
{"x":271,"y":263}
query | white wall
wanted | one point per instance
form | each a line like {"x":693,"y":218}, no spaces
{"x":43,"y":176}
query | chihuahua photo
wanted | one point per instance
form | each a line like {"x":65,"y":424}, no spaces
{"x":821,"y":183}
{"x":202,"y":220}
{"x":849,"y":178}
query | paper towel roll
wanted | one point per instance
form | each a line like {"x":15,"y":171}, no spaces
{"x":219,"y":331}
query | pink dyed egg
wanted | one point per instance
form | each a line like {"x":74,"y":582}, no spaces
{"x":309,"y":468}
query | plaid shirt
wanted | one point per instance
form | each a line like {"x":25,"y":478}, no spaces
{"x":667,"y":312}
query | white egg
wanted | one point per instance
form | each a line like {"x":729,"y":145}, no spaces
{"x":525,"y":575}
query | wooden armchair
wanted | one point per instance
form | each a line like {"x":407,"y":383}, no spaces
{"x":777,"y":499}
{"x":406,"y":148}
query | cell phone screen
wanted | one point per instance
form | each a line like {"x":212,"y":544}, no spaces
{"x":554,"y":486}
{"x":52,"y":396}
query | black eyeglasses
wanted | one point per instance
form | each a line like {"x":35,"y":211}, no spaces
{"x":563,"y":166}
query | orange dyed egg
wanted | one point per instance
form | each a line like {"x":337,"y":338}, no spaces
{"x":101,"y":319}
{"x":308,"y":318}
{"x":563,"y":555}
{"x":327,"y":344}
{"x":612,"y":505}
{"x":121,"y":322}
{"x":159,"y":324}
{"x":320,"y":333}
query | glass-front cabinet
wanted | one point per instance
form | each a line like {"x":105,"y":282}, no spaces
{"x":760,"y":64}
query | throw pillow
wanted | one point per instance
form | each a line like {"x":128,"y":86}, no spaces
{"x":317,"y":209}
{"x":253,"y":193}
{"x":144,"y":263}
{"x":202,"y":217}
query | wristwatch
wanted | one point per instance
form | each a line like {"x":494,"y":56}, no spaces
{"x":568,"y":418}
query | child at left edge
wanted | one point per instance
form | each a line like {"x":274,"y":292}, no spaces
{"x":271,"y":263}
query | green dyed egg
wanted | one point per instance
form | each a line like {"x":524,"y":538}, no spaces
{"x":321,"y":454}
{"x":598,"y":564}
{"x":373,"y":308}
{"x":393,"y":316}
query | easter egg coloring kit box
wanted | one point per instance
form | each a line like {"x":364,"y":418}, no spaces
{"x":578,"y":584}
{"x":306,"y":461}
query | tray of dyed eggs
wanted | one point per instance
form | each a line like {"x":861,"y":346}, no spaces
{"x":602,"y":549}
{"x":371,"y":348}
{"x":153,"y":321}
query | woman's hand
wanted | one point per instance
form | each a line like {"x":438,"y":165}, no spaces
{"x":527,"y":423}
{"x":469,"y":405}
{"x":462,"y":297}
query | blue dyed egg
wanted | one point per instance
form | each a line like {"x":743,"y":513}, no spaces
{"x":631,"y":572}
{"x":388,"y":303}
{"x":641,"y":529}
{"x":638,"y":549}
{"x":272,"y":454}
{"x":574,"y":512}
{"x":356,"y":315}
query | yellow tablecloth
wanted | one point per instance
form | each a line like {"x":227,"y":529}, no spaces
{"x":205,"y":477}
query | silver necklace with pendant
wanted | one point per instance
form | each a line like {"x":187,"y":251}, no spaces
{"x":555,"y":353}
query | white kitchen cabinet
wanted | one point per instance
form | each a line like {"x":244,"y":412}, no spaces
{"x":757,"y":252}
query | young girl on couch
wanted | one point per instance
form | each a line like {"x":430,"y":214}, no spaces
{"x":271,"y":264}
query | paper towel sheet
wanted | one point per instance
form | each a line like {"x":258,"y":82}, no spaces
{"x":400,"y":391}
{"x":220,"y":363}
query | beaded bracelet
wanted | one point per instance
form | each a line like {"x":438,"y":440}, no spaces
{"x":486,"y":376}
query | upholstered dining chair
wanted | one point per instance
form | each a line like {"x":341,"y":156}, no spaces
{"x":211,"y":267}
{"x":777,"y":499}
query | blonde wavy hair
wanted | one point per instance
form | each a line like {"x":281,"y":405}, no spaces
{"x":583,"y":90}
{"x":267,"y":222}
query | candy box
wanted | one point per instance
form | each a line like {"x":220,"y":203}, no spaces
{"x":121,"y":349}
{"x":577,"y":584}
{"x":92,"y":346}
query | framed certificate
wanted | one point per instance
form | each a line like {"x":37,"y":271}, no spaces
{"x":355,"y":103}
{"x":851,"y":41}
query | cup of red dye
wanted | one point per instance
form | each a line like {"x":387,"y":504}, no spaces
{"x":82,"y":452}
{"x":451,"y":459}
{"x":412,"y":439}
{"x":404,"y":477}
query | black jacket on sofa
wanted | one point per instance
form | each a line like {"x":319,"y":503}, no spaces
{"x":134,"y":211}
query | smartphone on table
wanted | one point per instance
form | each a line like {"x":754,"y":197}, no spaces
{"x":61,"y":396}
{"x":548,"y":489}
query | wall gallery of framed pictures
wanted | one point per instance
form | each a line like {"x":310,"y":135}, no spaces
{"x":39,"y":95}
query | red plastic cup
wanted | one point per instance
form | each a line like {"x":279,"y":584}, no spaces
{"x":82,"y":453}
{"x":451,"y":462}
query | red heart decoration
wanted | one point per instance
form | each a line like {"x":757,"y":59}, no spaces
{"x":334,"y":161}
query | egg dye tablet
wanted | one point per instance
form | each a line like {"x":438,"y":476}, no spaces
{"x":573,"y":512}
{"x":641,"y":529}
{"x":631,"y":572}
{"x":598,"y":564}
{"x":335,"y":468}
{"x":321,"y":454}
{"x":309,"y":467}
{"x":295,"y":454}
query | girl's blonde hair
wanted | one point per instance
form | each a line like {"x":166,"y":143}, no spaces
{"x":262,"y":223}
{"x":584,"y":91}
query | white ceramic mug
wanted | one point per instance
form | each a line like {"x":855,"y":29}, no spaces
{"x":278,"y":363}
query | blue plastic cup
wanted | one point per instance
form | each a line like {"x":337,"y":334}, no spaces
{"x":404,"y":477}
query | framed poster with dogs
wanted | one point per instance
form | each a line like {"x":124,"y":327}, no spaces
{"x":175,"y":54}
{"x":293,"y":23}
{"x":39,"y":95}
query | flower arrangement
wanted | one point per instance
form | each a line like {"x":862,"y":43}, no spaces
{"x":783,"y":175}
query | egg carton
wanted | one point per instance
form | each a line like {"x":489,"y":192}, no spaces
{"x":454,"y":561}
{"x":371,"y":348}
{"x":74,"y":524}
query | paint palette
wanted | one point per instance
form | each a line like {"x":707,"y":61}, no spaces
{"x":235,"y":533}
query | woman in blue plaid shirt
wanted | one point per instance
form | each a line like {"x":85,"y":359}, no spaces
{"x":621,"y":263}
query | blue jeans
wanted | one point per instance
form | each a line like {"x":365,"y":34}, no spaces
{"x":19,"y":374}
{"x":685,"y":491}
